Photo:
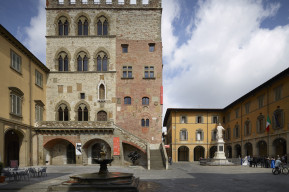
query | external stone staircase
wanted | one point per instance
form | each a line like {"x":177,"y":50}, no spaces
{"x":156,"y":160}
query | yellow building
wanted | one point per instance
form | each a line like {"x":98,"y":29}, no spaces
{"x":191,"y":132}
{"x":22,"y":97}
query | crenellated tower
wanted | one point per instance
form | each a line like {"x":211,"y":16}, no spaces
{"x":105,"y":80}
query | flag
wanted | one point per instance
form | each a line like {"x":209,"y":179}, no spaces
{"x":268,"y":123}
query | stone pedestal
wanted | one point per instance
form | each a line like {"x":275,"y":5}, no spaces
{"x":220,"y":154}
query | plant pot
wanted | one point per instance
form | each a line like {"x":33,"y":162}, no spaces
{"x":2,"y":179}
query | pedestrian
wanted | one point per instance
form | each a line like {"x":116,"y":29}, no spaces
{"x":272,"y":162}
{"x":268,"y":162}
{"x":170,"y":160}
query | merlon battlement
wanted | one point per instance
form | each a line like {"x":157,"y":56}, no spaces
{"x":103,"y":4}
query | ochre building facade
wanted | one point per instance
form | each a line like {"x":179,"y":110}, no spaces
{"x":22,"y":98}
{"x":191,"y":133}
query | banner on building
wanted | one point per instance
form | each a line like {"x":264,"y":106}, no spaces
{"x":116,"y":146}
{"x":78,"y":149}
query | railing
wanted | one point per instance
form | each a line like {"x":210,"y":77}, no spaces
{"x":164,"y":155}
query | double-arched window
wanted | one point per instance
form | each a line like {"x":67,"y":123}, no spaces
{"x":145,"y":122}
{"x":82,"y":113}
{"x":82,"y":62}
{"x":62,"y":62}
{"x":102,"y":26}
{"x":63,"y":113}
{"x":82,"y":26}
{"x":102,"y":61}
{"x":63,"y":26}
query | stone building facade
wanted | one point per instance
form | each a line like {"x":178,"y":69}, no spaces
{"x":105,"y":82}
{"x":244,"y":121}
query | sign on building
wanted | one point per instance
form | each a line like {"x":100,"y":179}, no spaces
{"x":116,"y":146}
{"x":78,"y":149}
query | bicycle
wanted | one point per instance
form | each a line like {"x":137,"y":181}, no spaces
{"x":281,"y":169}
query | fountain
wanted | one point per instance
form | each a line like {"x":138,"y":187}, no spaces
{"x":103,"y":180}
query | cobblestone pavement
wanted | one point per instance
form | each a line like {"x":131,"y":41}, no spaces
{"x":179,"y":177}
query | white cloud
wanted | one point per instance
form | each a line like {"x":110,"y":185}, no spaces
{"x":227,"y":55}
{"x":171,"y":11}
{"x":35,"y":33}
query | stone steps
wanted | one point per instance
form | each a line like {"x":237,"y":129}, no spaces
{"x":156,"y":160}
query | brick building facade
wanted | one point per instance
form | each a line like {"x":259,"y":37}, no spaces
{"x":105,"y":81}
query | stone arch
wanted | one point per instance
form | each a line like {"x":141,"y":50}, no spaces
{"x":248,"y":149}
{"x":81,"y":15}
{"x":183,"y":153}
{"x":129,"y":147}
{"x":101,"y":53}
{"x":99,"y":50}
{"x":92,"y":148}
{"x":107,"y":17}
{"x":76,"y":107}
{"x":261,"y":147}
{"x":102,"y":115}
{"x":199,"y":152}
{"x":229,"y":153}
{"x":213,"y":150}
{"x":59,"y":16}
{"x":62,"y":102}
{"x":238,"y":150}
{"x":59,"y":151}
{"x":99,"y":90}
{"x":279,"y":146}
{"x":62,"y":51}
{"x":81,"y":52}
{"x":14,"y":148}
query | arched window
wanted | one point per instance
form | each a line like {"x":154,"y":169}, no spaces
{"x":82,"y":113}
{"x":63,"y":25}
{"x":101,"y":92}
{"x":184,"y":135}
{"x":63,"y":114}
{"x":82,"y":26}
{"x":62,"y":62}
{"x":127,"y":100}
{"x":102,"y":26}
{"x":102,"y":116}
{"x":145,"y":101}
{"x":145,"y":122}
{"x":102,"y":62}
{"x":82,"y":62}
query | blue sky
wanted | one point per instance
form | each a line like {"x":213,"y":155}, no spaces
{"x":214,"y":51}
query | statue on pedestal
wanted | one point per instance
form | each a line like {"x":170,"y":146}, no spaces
{"x":220,"y":129}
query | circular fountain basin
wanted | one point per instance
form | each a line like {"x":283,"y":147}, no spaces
{"x":96,"y":178}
